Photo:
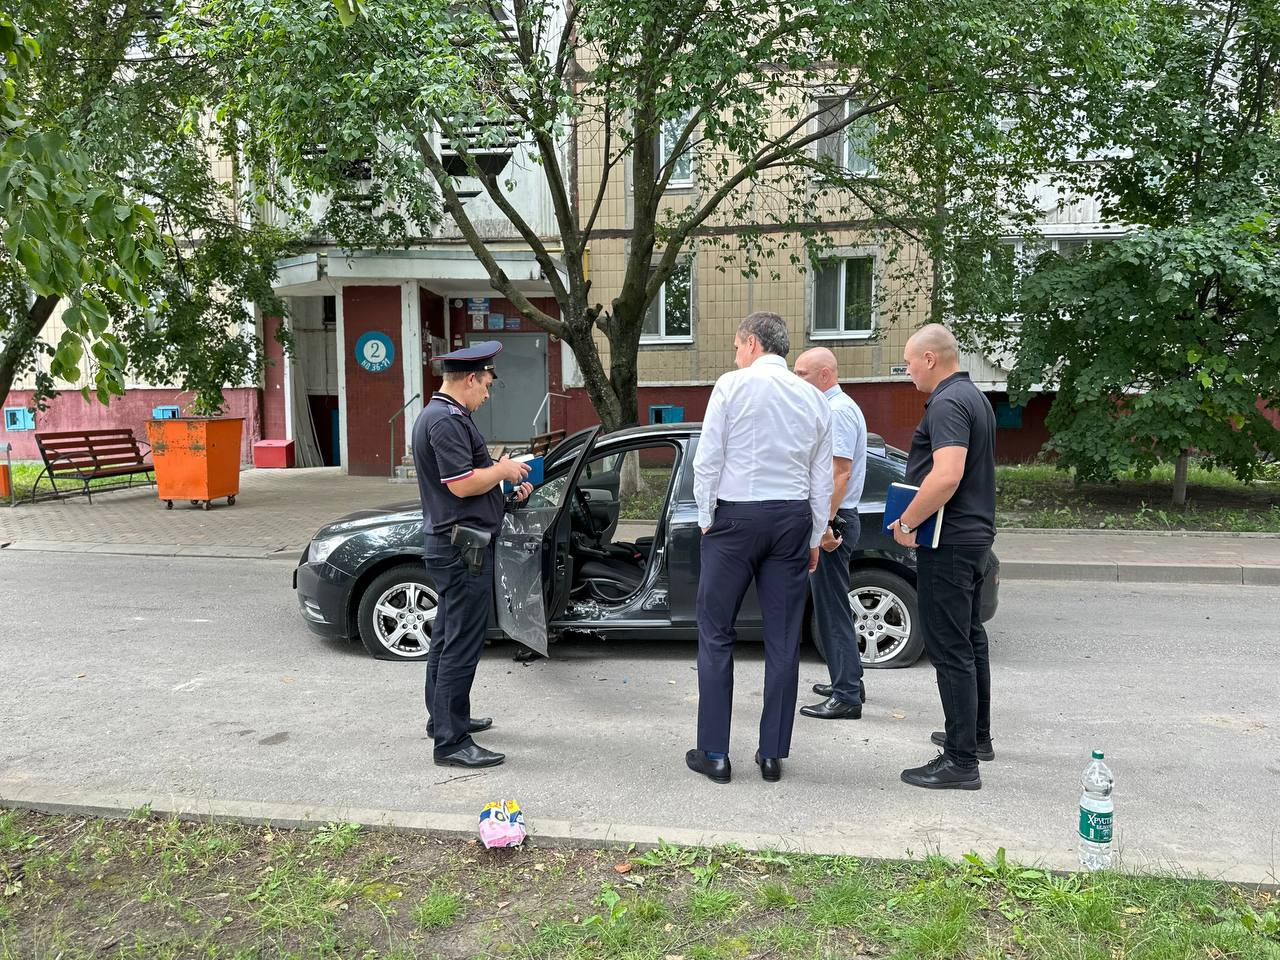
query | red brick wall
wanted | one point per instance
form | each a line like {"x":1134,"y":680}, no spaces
{"x":892,"y":410}
{"x":273,"y":400}
{"x":69,"y":411}
{"x":371,"y":397}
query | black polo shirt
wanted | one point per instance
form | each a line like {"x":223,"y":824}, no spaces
{"x":958,"y":414}
{"x":447,"y":446}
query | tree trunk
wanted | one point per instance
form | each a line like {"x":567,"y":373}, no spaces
{"x":21,"y":341}
{"x":631,"y":480}
{"x":1180,"y":480}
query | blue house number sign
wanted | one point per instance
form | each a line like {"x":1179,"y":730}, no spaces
{"x":375,"y":351}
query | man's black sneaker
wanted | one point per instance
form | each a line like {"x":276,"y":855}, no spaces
{"x":941,"y":773}
{"x":985,"y":750}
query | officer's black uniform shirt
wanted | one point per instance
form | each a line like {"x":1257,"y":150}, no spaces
{"x":447,"y":446}
{"x":958,"y":414}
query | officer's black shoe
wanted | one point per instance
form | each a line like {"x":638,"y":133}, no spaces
{"x":770,"y":767}
{"x":941,"y":773}
{"x":985,"y":750}
{"x":717,"y":771}
{"x":474,"y":725}
{"x":825,"y":690}
{"x":472,"y":755}
{"x":526,"y":655}
{"x":833,"y":709}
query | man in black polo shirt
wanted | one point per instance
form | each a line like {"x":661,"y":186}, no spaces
{"x":952,"y":461}
{"x":461,"y":487}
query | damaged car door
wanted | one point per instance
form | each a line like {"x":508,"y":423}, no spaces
{"x":531,"y":567}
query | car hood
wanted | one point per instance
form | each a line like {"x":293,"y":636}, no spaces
{"x":408,"y":512}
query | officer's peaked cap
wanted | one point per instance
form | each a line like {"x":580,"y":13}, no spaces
{"x":472,"y":359}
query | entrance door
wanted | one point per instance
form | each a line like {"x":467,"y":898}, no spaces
{"x":519,"y":391}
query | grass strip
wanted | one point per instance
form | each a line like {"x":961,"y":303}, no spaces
{"x":148,"y":888}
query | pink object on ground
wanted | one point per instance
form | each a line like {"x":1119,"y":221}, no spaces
{"x":502,"y":824}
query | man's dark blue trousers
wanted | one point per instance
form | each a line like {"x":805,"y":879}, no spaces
{"x":766,"y":542}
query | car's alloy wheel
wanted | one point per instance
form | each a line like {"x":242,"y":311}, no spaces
{"x":885,"y":618}
{"x":397,"y":613}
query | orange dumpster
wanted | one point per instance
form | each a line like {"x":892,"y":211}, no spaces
{"x":196,"y":459}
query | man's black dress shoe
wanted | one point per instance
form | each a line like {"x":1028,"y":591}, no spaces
{"x":474,"y":725}
{"x":985,"y":750}
{"x":941,"y":773}
{"x":833,"y":709}
{"x":718,"y":771}
{"x":472,"y":755}
{"x":825,"y":690}
{"x":770,"y":767}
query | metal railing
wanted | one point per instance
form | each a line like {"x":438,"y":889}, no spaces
{"x":391,"y":422}
{"x":543,"y":406}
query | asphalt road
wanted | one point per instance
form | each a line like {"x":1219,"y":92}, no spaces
{"x":197,"y":678}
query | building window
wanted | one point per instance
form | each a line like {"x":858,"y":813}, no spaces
{"x":19,"y":419}
{"x":844,"y":303}
{"x":668,"y":136}
{"x":987,"y":278}
{"x":670,"y":316}
{"x":849,"y":148}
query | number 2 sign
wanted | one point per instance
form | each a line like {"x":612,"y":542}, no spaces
{"x":375,"y":352}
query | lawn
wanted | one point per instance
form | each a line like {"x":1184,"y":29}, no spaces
{"x":1037,"y":495}
{"x":26,"y":474}
{"x":76,"y":888}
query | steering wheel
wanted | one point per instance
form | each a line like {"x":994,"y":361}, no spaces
{"x":580,"y":513}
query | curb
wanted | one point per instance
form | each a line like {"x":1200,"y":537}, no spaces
{"x":906,"y":841}
{"x":1106,"y":571}
{"x":1100,"y":571}
{"x":207,"y":551}
{"x":1088,"y":532}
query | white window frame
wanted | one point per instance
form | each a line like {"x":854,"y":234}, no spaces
{"x":846,"y":142}
{"x":661,"y":336}
{"x":843,"y":256}
{"x":675,"y":183}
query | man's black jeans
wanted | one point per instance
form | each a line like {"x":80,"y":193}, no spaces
{"x":949,"y":584}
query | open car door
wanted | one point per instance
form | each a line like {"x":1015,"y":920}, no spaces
{"x":531,"y":575}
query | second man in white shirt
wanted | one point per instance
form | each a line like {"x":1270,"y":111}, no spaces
{"x":762,"y":482}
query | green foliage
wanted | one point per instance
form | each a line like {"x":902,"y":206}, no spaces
{"x":1168,"y":340}
{"x":957,"y":105}
{"x":66,"y":231}
{"x":160,"y":265}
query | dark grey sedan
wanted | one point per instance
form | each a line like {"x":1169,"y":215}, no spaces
{"x":607,"y":546}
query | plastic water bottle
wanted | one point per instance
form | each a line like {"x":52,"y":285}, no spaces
{"x":1096,"y":809}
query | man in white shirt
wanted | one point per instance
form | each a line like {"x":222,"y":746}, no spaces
{"x":830,"y":582}
{"x":762,"y":482}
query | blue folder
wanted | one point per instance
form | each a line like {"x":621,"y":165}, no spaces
{"x":535,"y":472}
{"x":898,"y":499}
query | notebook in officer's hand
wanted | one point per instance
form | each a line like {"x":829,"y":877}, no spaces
{"x":898,"y":499}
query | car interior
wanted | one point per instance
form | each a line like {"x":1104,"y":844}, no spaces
{"x":627,"y":490}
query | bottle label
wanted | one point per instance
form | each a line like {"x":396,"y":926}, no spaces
{"x":1095,"y":827}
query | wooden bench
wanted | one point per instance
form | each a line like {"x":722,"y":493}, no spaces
{"x":89,"y":455}
{"x":545,"y":441}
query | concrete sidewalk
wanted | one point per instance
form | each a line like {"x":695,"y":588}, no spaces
{"x":277,"y":511}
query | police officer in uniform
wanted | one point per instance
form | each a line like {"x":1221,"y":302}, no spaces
{"x":462,"y":506}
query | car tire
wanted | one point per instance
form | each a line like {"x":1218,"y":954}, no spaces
{"x":400,"y":597}
{"x":889,"y":617}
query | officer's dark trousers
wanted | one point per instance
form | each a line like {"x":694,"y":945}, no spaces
{"x":767,"y":542}
{"x":949,"y":584}
{"x":457,"y":640}
{"x":833,"y":620}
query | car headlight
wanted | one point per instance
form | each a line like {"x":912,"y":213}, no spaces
{"x":321,"y":547}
